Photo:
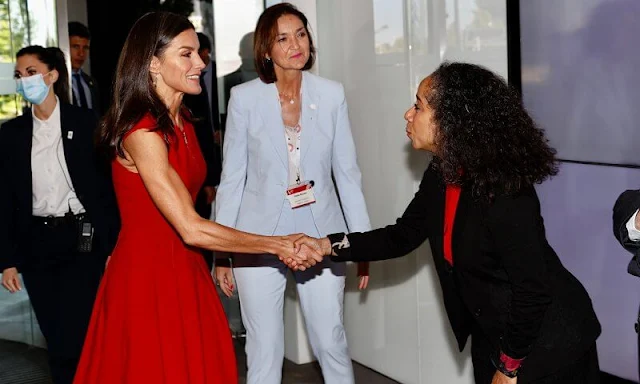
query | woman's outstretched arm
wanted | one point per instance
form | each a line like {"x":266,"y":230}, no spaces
{"x":147,"y":154}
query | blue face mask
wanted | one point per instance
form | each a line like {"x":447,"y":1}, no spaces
{"x":33,"y":88}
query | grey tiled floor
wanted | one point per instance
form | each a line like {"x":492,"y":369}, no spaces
{"x":21,"y":364}
{"x":309,"y":373}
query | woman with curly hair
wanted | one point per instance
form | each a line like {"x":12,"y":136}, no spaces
{"x":529,"y":319}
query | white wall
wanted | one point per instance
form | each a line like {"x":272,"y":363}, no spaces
{"x":380,"y":50}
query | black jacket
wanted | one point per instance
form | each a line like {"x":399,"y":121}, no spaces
{"x":626,"y":205}
{"x":505,"y":278}
{"x":91,"y":181}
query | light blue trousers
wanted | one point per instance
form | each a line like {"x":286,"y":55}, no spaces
{"x":261,"y":283}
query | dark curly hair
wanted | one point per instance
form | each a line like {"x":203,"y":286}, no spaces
{"x":487,"y":141}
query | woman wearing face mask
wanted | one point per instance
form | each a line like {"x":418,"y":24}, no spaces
{"x":288,"y":134}
{"x":58,"y":217}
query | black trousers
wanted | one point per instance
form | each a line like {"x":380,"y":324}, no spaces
{"x":585,"y":370}
{"x":62,"y":285}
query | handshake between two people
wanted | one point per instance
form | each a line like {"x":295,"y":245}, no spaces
{"x":298,"y":252}
{"x":305,"y":251}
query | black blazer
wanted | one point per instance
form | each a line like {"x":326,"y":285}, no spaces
{"x":91,"y":182}
{"x":506,"y":280}
{"x":95,"y":94}
{"x":626,"y":205}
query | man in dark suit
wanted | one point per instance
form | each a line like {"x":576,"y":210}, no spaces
{"x":626,"y":222}
{"x":247,"y":69}
{"x":245,"y":72}
{"x":204,"y":111}
{"x":85,"y":88}
{"x":55,"y":193}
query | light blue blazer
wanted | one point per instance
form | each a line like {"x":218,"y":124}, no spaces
{"x":251,"y":194}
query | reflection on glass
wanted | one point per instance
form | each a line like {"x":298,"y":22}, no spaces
{"x":246,"y":71}
{"x":456,"y":30}
{"x":42,"y":22}
{"x":18,"y":22}
{"x":9,"y":106}
{"x":423,"y":33}
{"x":5,"y":33}
{"x":202,"y":17}
{"x":477,"y":32}
{"x":233,"y":20}
{"x":388,"y":22}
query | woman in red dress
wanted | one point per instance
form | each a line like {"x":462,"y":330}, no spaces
{"x":157,"y":317}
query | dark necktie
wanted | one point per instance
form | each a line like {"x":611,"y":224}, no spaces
{"x":82,"y":97}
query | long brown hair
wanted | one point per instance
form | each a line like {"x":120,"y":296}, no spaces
{"x":134,"y":95}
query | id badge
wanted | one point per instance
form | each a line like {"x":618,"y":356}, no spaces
{"x":300,"y":195}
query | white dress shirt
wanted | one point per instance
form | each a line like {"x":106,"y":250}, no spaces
{"x":634,"y":233}
{"x":292,"y":136}
{"x":52,"y":189}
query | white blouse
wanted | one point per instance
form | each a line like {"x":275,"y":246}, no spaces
{"x":292,"y":137}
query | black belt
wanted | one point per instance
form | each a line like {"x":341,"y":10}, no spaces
{"x":57,"y":221}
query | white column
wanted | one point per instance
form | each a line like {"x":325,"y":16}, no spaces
{"x":63,"y":34}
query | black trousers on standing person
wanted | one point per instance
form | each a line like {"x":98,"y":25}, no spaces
{"x":62,"y":284}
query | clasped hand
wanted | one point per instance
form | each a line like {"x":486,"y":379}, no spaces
{"x":305,"y":252}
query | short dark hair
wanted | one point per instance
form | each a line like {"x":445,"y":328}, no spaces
{"x":134,"y":95}
{"x":53,"y":58}
{"x":487,"y":141}
{"x":78,"y":29}
{"x":265,"y":36}
{"x":204,"y":41}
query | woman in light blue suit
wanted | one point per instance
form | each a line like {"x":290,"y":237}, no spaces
{"x":289,"y":131}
